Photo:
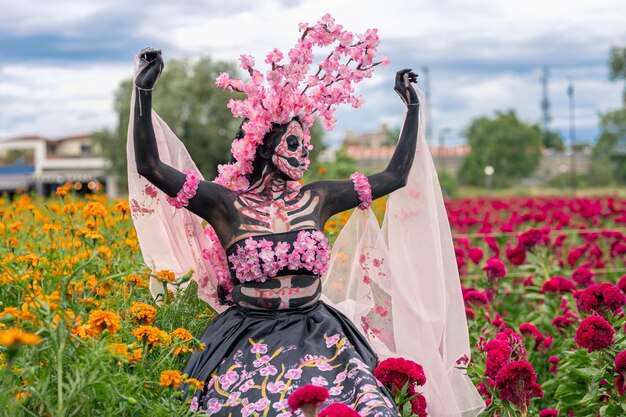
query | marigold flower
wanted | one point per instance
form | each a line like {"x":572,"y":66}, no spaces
{"x":197,"y":384}
{"x":102,"y":319}
{"x":166,"y":276}
{"x":143,"y":312}
{"x":152,"y":335}
{"x":13,"y":337}
{"x":94,"y":209}
{"x":171,"y":378}
{"x":182,"y":333}
{"x":594,"y":333}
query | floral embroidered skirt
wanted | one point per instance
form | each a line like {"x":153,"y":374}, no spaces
{"x":254,"y":360}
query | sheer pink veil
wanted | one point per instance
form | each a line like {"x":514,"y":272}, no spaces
{"x":401,"y":286}
{"x":170,"y":239}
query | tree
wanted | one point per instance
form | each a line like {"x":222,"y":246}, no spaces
{"x":506,"y":143}
{"x":553,"y":140}
{"x":617,"y":66}
{"x":609,"y":153}
{"x":187,"y":98}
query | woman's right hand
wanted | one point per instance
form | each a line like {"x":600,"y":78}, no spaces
{"x":153,"y":65}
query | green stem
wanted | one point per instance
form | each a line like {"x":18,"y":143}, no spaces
{"x":60,"y":410}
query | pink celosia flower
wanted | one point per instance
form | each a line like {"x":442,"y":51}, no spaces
{"x":517,"y":383}
{"x":338,"y":410}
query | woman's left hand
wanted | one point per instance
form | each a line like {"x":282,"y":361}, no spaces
{"x":404,"y":88}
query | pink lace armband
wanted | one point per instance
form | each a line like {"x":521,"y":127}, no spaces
{"x":187,"y":191}
{"x":363,"y":189}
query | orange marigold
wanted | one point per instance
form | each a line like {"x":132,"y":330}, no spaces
{"x":197,"y":384}
{"x":102,"y":319}
{"x":171,"y":378}
{"x":182,"y":333}
{"x":94,"y":209}
{"x":166,"y":276}
{"x":152,"y":335}
{"x":144,"y":312}
{"x":13,"y":337}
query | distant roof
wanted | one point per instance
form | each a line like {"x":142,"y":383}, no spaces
{"x":378,"y":153}
{"x":48,"y":140}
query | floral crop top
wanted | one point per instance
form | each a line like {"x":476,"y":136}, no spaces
{"x":257,"y":258}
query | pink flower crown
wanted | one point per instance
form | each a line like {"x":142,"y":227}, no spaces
{"x":287,"y":90}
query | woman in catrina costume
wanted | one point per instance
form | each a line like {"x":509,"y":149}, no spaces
{"x":293,"y":311}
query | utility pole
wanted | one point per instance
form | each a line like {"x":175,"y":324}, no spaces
{"x":545,"y":101}
{"x":429,"y":105}
{"x":572,"y":133}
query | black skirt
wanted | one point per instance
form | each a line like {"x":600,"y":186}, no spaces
{"x":253,"y":361}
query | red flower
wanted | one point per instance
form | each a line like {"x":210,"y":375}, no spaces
{"x":583,"y":277}
{"x":476,"y":255}
{"x":530,"y":330}
{"x":594,"y":333}
{"x":620,"y":368}
{"x":518,"y":351}
{"x":601,"y":298}
{"x":621,"y":284}
{"x":307,"y":396}
{"x":558,"y":284}
{"x":554,"y":363}
{"x":494,"y":269}
{"x":574,"y":256}
{"x":418,"y":406}
{"x":498,"y":353}
{"x":530,"y":238}
{"x":516,"y":255}
{"x":475,"y":298}
{"x":338,"y":410}
{"x":549,"y":412}
{"x":566,"y":320}
{"x":396,"y":372}
{"x":517,"y":383}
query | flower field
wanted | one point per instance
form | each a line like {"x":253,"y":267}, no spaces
{"x":543,"y":282}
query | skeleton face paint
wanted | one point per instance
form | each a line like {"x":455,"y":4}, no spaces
{"x":290,"y":154}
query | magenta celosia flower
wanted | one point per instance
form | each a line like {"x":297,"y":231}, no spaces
{"x":530,"y":238}
{"x":498,"y":353}
{"x":601,"y":298}
{"x":518,"y":350}
{"x":516,"y":255}
{"x":475,"y":298}
{"x":549,"y":412}
{"x":307,"y":397}
{"x":558,"y":284}
{"x":418,"y":406}
{"x":517,"y":383}
{"x":396,"y":372}
{"x":621,"y":284}
{"x":338,"y":410}
{"x":530,"y":330}
{"x":594,"y":333}
{"x":620,"y":368}
{"x":554,"y":363}
{"x":565,"y":320}
{"x":476,"y":255}
{"x":583,"y":277}
{"x":494,"y":269}
{"x":574,"y":255}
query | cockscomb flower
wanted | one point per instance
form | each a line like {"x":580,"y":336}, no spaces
{"x":338,"y":410}
{"x":517,"y":383}
{"x":602,"y":298}
{"x":308,"y":398}
{"x":396,"y":372}
{"x":620,"y":368}
{"x":559,"y":285}
{"x":287,"y":89}
{"x":494,"y":269}
{"x":594,"y":333}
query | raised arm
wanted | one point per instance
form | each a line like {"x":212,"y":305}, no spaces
{"x":211,"y":200}
{"x":337,"y":196}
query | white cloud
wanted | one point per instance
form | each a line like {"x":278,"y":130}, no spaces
{"x":483,"y":55}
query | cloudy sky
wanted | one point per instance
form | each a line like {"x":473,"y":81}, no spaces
{"x":61,"y":60}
